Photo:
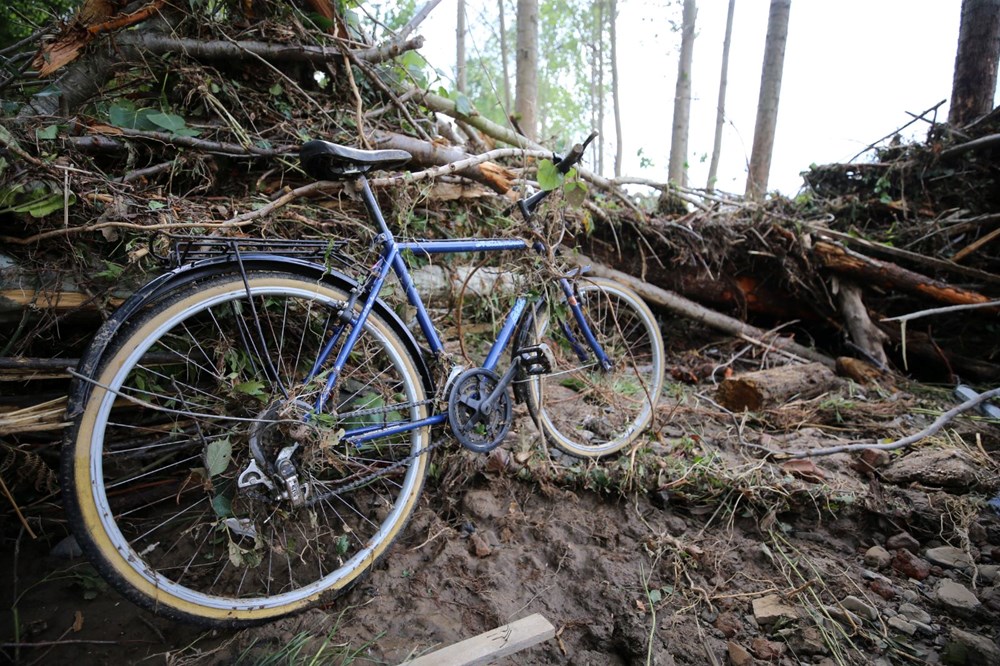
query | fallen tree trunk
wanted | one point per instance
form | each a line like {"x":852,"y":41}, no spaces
{"x":847,"y":262}
{"x":687,"y":308}
{"x":774,"y":386}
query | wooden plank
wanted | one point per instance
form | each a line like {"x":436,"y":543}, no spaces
{"x":485,"y":648}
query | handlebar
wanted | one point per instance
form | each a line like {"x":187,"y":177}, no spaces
{"x":563,"y":165}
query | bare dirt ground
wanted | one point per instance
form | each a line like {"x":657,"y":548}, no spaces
{"x":694,"y":549}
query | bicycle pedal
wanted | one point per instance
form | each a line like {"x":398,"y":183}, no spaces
{"x":536,"y":360}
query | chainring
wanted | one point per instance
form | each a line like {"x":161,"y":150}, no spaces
{"x":475,"y":429}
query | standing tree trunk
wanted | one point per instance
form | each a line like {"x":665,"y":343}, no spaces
{"x":767,"y":103}
{"x":597,"y":80}
{"x":677,"y":169}
{"x":460,"y":80}
{"x":975,"y":78}
{"x":720,"y":115}
{"x":614,"y":88}
{"x":505,"y":59}
{"x":526,"y":98}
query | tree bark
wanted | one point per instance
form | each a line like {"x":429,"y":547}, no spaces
{"x":776,"y":386}
{"x":427,"y":154}
{"x":975,"y":77}
{"x":767,"y":103}
{"x":460,"y":74}
{"x":677,"y":169}
{"x":504,"y":58}
{"x":865,"y":334}
{"x":526,"y":98}
{"x":845,"y":262}
{"x":720,"y":115}
{"x":615,"y":98}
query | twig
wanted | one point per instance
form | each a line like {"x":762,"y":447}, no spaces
{"x":943,"y":310}
{"x":898,"y":130}
{"x":417,"y":19}
{"x":929,"y":431}
{"x":17,"y":509}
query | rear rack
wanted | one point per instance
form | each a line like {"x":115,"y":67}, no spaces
{"x":188,"y":249}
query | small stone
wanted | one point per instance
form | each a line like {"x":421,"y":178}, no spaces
{"x":843,"y":616}
{"x":728,"y":624}
{"x":902,"y":626}
{"x":883,"y":589}
{"x":910,"y":595}
{"x":943,"y":468}
{"x":910,"y":565}
{"x":877,"y":557}
{"x":738,"y":655}
{"x":478,"y":546}
{"x":957,"y":598}
{"x":903,"y":540}
{"x":948,"y":557}
{"x":860,"y":607}
{"x":977,"y":650}
{"x":991,"y":598}
{"x":924,"y":628}
{"x":804,"y":641}
{"x":676,"y":525}
{"x":770,"y":609}
{"x":989,"y":572}
{"x":914,"y":613}
{"x":67,"y":549}
{"x":765,"y":649}
{"x":874,"y":458}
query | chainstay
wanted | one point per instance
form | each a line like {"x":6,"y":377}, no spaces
{"x":365,"y":480}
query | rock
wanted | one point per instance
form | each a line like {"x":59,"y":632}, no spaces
{"x":765,"y":649}
{"x":478,"y":546}
{"x":910,"y":596}
{"x":910,"y":565}
{"x":676,"y":525}
{"x":912,"y":612}
{"x":870,"y":459}
{"x":948,"y":557}
{"x":481,"y":505}
{"x":902,"y":626}
{"x":843,"y":616}
{"x":883,"y":589}
{"x":67,"y":549}
{"x":957,"y":598}
{"x":738,"y":655}
{"x":877,"y":557}
{"x":804,"y":642}
{"x":770,"y":609}
{"x":970,"y":649}
{"x":903,"y":540}
{"x":860,"y":607}
{"x":728,"y":624}
{"x":991,"y":598}
{"x":989,"y":572}
{"x":926,"y":629}
{"x":943,"y":468}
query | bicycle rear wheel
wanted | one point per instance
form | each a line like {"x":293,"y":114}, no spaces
{"x":163,"y":478}
{"x":581,"y":408}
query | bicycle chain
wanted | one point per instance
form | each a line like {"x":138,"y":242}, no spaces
{"x":348,"y":487}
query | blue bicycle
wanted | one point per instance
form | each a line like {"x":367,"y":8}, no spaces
{"x":251,"y":430}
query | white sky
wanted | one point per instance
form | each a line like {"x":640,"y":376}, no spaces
{"x":853,"y":69}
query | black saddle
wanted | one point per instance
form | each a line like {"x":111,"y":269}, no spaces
{"x":325,"y":160}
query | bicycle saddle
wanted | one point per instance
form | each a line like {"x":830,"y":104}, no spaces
{"x":325,"y":160}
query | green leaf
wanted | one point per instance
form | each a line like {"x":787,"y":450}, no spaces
{"x":222,"y":506}
{"x":549,"y":177}
{"x":341,"y":544}
{"x":252,"y":388}
{"x":655,"y":596}
{"x":156,"y":205}
{"x":576,"y":193}
{"x":217,"y":456}
{"x":235,"y":554}
{"x":123,"y":114}
{"x":112,"y":271}
{"x":3,"y":165}
{"x":276,"y":89}
{"x":47,"y":133}
{"x":463,"y":105}
{"x":168,"y":121}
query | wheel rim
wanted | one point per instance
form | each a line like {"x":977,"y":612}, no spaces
{"x":585,"y":410}
{"x":229,"y":537}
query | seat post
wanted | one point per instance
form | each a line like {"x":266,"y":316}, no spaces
{"x":371,"y":205}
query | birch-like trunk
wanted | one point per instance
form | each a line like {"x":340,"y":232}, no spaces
{"x":720,"y":114}
{"x":677,"y":168}
{"x":767,"y":103}
{"x":526,"y":98}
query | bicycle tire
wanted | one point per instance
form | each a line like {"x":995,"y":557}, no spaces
{"x":580,"y":408}
{"x":152,"y":463}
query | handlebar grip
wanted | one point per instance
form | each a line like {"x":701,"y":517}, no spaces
{"x":575,"y":153}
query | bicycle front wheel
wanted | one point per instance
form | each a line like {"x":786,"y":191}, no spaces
{"x":582,"y":408}
{"x":201,"y":480}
